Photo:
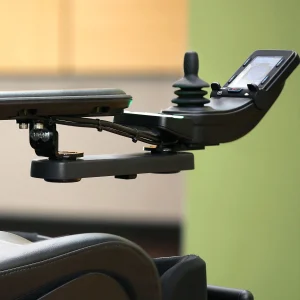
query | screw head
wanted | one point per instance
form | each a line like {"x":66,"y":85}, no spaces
{"x":38,"y":126}
{"x":23,"y":126}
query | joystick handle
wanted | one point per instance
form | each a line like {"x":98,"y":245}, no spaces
{"x":190,"y":86}
{"x":191,"y":63}
{"x":191,"y":69}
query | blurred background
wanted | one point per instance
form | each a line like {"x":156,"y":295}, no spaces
{"x":239,"y":209}
{"x":136,"y":46}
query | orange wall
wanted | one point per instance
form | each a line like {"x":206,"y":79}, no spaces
{"x":90,"y":36}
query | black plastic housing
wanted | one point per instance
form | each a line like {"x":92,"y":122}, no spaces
{"x":229,"y":116}
{"x":278,"y":74}
{"x":170,"y":128}
{"x":120,"y":166}
{"x":222,"y":293}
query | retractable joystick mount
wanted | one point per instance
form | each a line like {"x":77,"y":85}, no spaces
{"x":193,"y":122}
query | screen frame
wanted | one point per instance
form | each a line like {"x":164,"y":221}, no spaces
{"x":286,"y":55}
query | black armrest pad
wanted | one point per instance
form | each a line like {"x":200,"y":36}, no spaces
{"x":59,"y":93}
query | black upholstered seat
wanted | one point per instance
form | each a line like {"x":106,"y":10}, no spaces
{"x":99,"y":266}
{"x":32,"y":270}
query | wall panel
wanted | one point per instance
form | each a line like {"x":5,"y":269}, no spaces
{"x":29,"y":32}
{"x":243,"y":208}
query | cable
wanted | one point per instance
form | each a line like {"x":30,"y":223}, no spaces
{"x":100,"y":125}
{"x":106,"y":124}
{"x":133,"y":133}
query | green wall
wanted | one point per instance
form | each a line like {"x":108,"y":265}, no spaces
{"x":243,"y":206}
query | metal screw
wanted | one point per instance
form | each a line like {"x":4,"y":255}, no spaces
{"x":23,"y":126}
{"x":38,"y":126}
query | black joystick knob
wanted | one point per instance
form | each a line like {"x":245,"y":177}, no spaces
{"x":190,"y":92}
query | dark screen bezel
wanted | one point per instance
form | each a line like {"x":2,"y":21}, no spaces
{"x":285,"y":54}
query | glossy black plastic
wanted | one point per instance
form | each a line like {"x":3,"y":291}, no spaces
{"x":171,"y":128}
{"x":280,"y":72}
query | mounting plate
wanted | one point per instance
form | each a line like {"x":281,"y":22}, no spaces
{"x":121,"y":166}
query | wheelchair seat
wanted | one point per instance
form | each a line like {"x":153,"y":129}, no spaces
{"x":99,"y":266}
{"x":82,"y":266}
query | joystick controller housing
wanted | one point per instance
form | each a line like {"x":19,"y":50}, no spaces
{"x":193,"y":123}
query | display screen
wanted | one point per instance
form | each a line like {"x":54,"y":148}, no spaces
{"x":256,"y":71}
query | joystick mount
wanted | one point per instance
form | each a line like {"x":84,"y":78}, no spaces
{"x":192,"y":123}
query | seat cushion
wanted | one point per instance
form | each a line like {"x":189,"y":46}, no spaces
{"x":32,"y":268}
{"x":11,"y":238}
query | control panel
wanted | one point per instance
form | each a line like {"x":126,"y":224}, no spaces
{"x":260,"y":71}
